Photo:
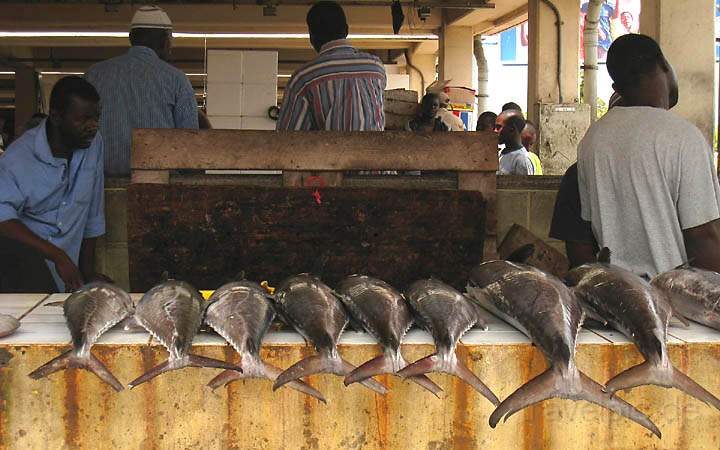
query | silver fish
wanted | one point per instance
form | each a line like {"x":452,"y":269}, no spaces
{"x":241,"y":312}
{"x":89,"y":312}
{"x":383,"y":312}
{"x":548,"y":312}
{"x":693,"y":292}
{"x":642,"y":313}
{"x":314,"y":310}
{"x":447,"y":315}
{"x":172,"y":313}
{"x":8,"y":325}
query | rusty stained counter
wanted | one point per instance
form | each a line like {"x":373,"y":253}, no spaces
{"x":74,"y":409}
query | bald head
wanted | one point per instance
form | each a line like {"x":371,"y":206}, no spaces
{"x":509,"y":126}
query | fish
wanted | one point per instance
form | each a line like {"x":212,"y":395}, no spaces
{"x":8,"y":325}
{"x":313,"y":309}
{"x":241,"y":312}
{"x":447,"y":315}
{"x":543,"y":308}
{"x":642,"y":313}
{"x":89,"y":312}
{"x":383,"y":313}
{"x":172,"y":313}
{"x":693,"y":292}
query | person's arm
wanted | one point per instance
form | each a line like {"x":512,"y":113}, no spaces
{"x":523,"y":166}
{"x":17,"y":231}
{"x":185,"y":114}
{"x":702,"y":245}
{"x":295,"y":111}
{"x":95,"y":225}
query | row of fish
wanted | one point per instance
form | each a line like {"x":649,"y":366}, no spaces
{"x":549,"y":311}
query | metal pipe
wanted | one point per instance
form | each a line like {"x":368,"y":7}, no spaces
{"x":483,"y":74}
{"x":410,"y":65}
{"x":558,"y":24}
{"x":590,"y":65}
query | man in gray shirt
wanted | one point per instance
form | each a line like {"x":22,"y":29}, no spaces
{"x":140,"y":90}
{"x":647,"y":180}
{"x":514,"y":158}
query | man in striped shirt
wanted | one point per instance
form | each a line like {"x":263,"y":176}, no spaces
{"x":342,"y":88}
{"x":140,"y":90}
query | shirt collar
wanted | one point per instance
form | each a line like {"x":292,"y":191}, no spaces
{"x":332,"y":45}
{"x":138,"y":50}
{"x":42,"y":147}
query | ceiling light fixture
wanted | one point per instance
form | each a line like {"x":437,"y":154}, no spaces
{"x":187,"y":35}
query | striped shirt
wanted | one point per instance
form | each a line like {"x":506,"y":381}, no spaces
{"x":139,"y":90}
{"x":342,"y":90}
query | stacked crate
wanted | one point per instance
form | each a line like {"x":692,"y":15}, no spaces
{"x":400,"y":106}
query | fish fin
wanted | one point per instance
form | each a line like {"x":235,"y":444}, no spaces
{"x":648,"y":373}
{"x":551,"y":383}
{"x":593,"y":392}
{"x":56,"y":364}
{"x":150,"y":374}
{"x":69,"y":360}
{"x":522,"y":254}
{"x":98,"y":368}
{"x":368,"y":383}
{"x":55,"y":304}
{"x":690,"y":387}
{"x":224,"y":378}
{"x":271,"y":373}
{"x":434,"y":363}
{"x":203,"y":361}
{"x":384,"y":364}
{"x":305,"y":367}
{"x":604,"y":256}
{"x":686,"y":265}
{"x":680,"y":318}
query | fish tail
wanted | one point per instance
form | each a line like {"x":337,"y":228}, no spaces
{"x":384,"y":364}
{"x":271,"y":373}
{"x":70,"y":360}
{"x":98,"y":368}
{"x":453,"y":366}
{"x":552,"y":383}
{"x":204,"y":361}
{"x":690,"y":387}
{"x":56,"y":364}
{"x":593,"y":392}
{"x":150,"y":374}
{"x":322,"y":364}
{"x":224,"y":378}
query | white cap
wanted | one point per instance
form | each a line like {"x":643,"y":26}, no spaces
{"x":151,"y":17}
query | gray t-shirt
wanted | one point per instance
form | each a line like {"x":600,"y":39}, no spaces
{"x":516,"y":162}
{"x":645,"y":175}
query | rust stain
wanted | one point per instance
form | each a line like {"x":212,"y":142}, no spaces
{"x":231,"y":436}
{"x":462,"y":436}
{"x":383,"y":416}
{"x":148,"y":389}
{"x":72,"y":408}
{"x":534,"y":415}
{"x":682,"y":424}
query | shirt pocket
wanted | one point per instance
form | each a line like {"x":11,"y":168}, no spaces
{"x":84,"y":186}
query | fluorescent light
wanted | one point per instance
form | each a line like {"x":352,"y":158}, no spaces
{"x":183,"y":35}
{"x":284,"y":76}
{"x":62,"y":73}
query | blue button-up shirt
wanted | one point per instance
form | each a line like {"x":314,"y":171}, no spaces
{"x":139,"y":90}
{"x":61,"y":201}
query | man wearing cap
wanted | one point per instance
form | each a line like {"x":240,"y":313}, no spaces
{"x":140,"y":90}
{"x":451,"y":120}
{"x":342,"y":89}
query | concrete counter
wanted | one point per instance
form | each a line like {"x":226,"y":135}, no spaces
{"x":74,"y":409}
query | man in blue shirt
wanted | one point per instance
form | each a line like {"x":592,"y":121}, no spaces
{"x":51,"y":196}
{"x":140,"y":90}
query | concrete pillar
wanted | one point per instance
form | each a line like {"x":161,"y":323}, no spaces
{"x":686,"y":33}
{"x":456,"y":55}
{"x":425,"y":63}
{"x":543,"y":53}
{"x":26,"y":90}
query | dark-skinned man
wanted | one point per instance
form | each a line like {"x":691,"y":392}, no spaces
{"x":647,"y":180}
{"x":140,"y":89}
{"x":514,"y":158}
{"x":51,"y":196}
{"x":342,"y":89}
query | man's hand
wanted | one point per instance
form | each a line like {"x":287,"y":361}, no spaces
{"x":68,"y":271}
{"x":702,"y":245}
